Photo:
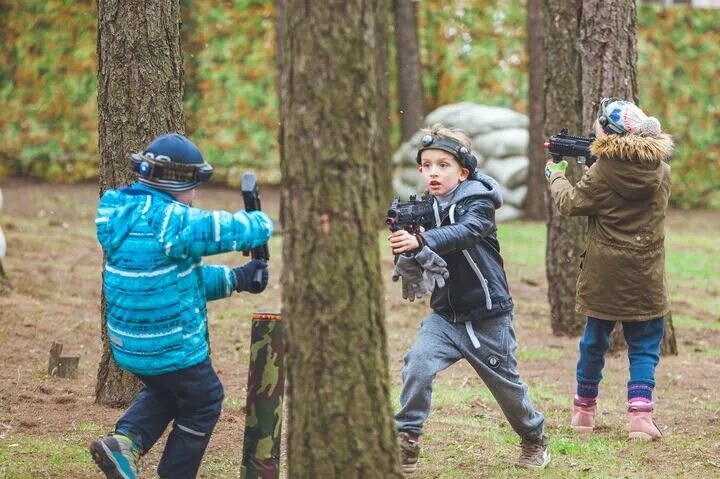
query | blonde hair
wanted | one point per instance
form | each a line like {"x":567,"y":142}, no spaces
{"x":438,"y":129}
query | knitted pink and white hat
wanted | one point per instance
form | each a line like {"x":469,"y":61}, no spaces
{"x":622,"y":117}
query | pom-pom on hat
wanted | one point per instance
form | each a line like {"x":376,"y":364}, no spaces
{"x":624,"y":117}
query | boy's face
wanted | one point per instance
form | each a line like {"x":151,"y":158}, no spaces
{"x":186,"y":197}
{"x":441,"y":171}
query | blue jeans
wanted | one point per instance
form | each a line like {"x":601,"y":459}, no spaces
{"x":192,"y":398}
{"x":643,"y":339}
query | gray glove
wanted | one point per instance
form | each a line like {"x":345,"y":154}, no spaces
{"x":435,"y":267}
{"x":413,"y":283}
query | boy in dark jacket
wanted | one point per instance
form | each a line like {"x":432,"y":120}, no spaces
{"x":622,"y":278}
{"x":472,"y":311}
{"x":156,"y":289}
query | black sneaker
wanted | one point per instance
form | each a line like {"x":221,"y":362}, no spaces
{"x":409,"y":452}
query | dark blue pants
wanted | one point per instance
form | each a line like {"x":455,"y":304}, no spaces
{"x":643,"y":339}
{"x":191,"y":398}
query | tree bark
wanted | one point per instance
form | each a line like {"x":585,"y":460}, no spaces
{"x":340,"y":418}
{"x":535,"y":208}
{"x":410,"y":91}
{"x":669,"y":347}
{"x":382,"y":152}
{"x":563,"y":109}
{"x":140,"y":91}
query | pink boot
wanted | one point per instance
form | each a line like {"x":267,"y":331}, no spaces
{"x":583,"y":420}
{"x":642,"y":425}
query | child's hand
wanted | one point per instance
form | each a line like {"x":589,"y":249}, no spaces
{"x":401,"y":241}
{"x":551,"y":167}
{"x":244,"y":276}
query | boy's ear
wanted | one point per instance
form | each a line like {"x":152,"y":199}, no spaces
{"x":464,"y":173}
{"x":420,"y":168}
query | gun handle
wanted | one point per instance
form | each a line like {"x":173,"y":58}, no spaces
{"x":257,"y":278}
{"x":555,"y":157}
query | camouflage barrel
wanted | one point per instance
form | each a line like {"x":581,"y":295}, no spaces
{"x":264,"y":407}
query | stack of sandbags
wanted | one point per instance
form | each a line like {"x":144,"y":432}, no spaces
{"x":500,"y":139}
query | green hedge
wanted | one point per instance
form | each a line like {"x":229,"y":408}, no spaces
{"x":473,"y":50}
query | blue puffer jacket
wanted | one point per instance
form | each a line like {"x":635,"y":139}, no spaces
{"x":155,"y":284}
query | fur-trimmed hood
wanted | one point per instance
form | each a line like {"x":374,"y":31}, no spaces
{"x":633,"y":148}
{"x":633,"y":165}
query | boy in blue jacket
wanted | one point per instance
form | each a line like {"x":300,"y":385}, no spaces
{"x":472,"y":311}
{"x":156,"y":289}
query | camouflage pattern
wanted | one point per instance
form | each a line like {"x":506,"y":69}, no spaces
{"x":264,"y":407}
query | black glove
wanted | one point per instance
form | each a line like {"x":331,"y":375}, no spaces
{"x":244,"y":276}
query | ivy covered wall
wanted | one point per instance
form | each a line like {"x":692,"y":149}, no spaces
{"x":472,"y":50}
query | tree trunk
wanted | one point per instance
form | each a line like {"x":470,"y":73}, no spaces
{"x":382,"y":153}
{"x":609,"y":68}
{"x":563,"y":107}
{"x":668,"y":347}
{"x":410,"y":92}
{"x":140,"y":89}
{"x":535,"y":203}
{"x":338,"y":392}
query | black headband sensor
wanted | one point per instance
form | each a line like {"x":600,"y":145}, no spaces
{"x":452,"y":146}
{"x":160,"y":167}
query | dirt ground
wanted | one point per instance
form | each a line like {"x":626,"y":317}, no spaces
{"x":54,"y":263}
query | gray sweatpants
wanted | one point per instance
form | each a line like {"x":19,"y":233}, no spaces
{"x":440,"y":344}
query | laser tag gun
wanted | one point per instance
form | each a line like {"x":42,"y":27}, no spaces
{"x":411,"y":215}
{"x":577,"y":147}
{"x":251,"y":198}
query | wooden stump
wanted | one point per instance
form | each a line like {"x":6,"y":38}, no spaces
{"x":62,"y":366}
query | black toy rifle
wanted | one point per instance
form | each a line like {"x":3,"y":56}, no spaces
{"x":251,"y":198}
{"x":577,"y":147}
{"x":411,"y":215}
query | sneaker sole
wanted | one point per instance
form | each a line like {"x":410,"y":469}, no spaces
{"x":643,"y":436}
{"x":583,"y":429}
{"x":104,"y":459}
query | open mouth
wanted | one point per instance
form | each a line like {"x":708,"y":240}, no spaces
{"x":434,"y":184}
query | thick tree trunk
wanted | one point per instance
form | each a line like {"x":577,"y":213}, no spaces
{"x":410,"y":92}
{"x":563,"y":107}
{"x":669,"y":346}
{"x":535,"y":203}
{"x":140,"y":88}
{"x":609,"y":68}
{"x":340,"y":419}
{"x":382,"y":153}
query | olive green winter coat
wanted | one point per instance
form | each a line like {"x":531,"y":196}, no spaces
{"x":625,"y":195}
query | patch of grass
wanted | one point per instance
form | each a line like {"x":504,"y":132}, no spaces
{"x":690,"y":322}
{"x":234,"y":403}
{"x":522,"y":245}
{"x":35,"y":457}
{"x":90,"y":427}
{"x":538,"y":353}
{"x":221,"y":465}
{"x":544,"y":396}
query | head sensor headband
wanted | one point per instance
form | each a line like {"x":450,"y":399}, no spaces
{"x":160,"y":167}
{"x":452,"y":146}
